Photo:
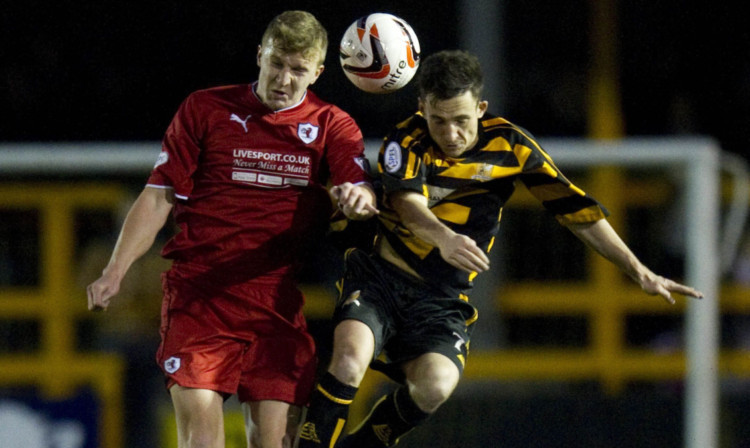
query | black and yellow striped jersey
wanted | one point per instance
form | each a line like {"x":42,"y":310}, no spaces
{"x":468,"y":193}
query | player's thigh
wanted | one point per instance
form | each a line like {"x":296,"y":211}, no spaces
{"x":199,"y":414}
{"x":271,"y":423}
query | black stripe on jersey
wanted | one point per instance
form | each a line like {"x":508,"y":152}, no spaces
{"x":569,"y":204}
{"x":497,"y":158}
{"x":452,"y":182}
{"x":535,"y":180}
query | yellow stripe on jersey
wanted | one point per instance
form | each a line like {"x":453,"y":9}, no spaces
{"x":498,"y":144}
{"x":417,"y":246}
{"x":495,"y":121}
{"x":406,"y":140}
{"x":482,"y":171}
{"x":522,"y":153}
{"x":472,"y":319}
{"x":588,"y":214}
{"x":548,"y":169}
{"x":412,"y":166}
{"x":455,"y":213}
{"x":550,"y":192}
{"x":455,"y":196}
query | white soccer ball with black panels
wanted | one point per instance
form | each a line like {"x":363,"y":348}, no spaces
{"x":379,"y":53}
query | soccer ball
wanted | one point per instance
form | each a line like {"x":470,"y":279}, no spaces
{"x":379,"y":53}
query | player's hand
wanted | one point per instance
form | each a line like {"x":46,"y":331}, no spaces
{"x":356,"y":201}
{"x":656,"y":284}
{"x":101,"y":291}
{"x":462,"y":252}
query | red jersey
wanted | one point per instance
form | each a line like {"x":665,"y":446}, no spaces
{"x":250,"y":182}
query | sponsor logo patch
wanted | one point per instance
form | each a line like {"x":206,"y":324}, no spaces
{"x":392,"y":157}
{"x":271,"y":169}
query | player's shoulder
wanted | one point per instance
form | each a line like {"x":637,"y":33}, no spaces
{"x":415,"y":126}
{"x":220,"y":92}
{"x":313,"y":101}
{"x":494,"y":126}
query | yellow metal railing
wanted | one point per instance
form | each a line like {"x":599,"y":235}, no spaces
{"x":57,"y":369}
{"x":605,"y":299}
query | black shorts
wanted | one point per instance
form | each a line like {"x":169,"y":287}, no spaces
{"x":407,"y":316}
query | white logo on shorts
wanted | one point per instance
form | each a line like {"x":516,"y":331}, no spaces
{"x":461,"y":341}
{"x":172,"y":364}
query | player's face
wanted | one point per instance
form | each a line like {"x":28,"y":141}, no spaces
{"x":284,"y":77}
{"x":453,"y":123}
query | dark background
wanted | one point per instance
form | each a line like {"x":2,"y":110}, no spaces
{"x":113,"y":70}
{"x":117,"y":71}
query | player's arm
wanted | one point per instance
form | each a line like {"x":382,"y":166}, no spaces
{"x":358,"y":201}
{"x":146,"y":217}
{"x":600,"y":236}
{"x":458,"y":250}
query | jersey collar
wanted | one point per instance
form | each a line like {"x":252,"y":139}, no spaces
{"x":293,"y":106}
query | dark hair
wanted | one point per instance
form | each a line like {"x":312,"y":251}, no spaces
{"x":448,"y":74}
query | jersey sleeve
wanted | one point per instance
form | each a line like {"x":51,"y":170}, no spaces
{"x":546,"y":183}
{"x":399,"y":163}
{"x":180,"y":151}
{"x":345,"y":153}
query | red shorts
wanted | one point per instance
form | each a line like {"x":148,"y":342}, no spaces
{"x":245,"y":338}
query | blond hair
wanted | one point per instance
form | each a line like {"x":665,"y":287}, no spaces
{"x":297,"y":32}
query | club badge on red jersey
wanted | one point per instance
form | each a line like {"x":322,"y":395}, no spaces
{"x":307,"y":132}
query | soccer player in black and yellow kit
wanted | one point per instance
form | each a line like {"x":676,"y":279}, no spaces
{"x":446,"y":173}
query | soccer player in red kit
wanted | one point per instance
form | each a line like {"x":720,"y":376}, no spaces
{"x":244,"y":170}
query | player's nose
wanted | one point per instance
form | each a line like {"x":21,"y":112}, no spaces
{"x":284,"y":76}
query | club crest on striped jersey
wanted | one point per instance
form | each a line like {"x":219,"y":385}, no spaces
{"x":392,"y":157}
{"x":307,"y":132}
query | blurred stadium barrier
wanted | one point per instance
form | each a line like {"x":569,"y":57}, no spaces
{"x":577,"y":321}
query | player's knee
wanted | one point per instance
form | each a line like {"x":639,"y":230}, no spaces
{"x":201,"y":434}
{"x":433,"y":390}
{"x":348,"y":367}
{"x":270,"y":442}
{"x":203,"y":439}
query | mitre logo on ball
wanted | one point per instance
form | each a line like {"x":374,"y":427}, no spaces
{"x":379,"y":53}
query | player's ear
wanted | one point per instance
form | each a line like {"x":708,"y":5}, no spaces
{"x":260,"y":48}
{"x":420,"y":105}
{"x":318,"y":72}
{"x":482,"y":108}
